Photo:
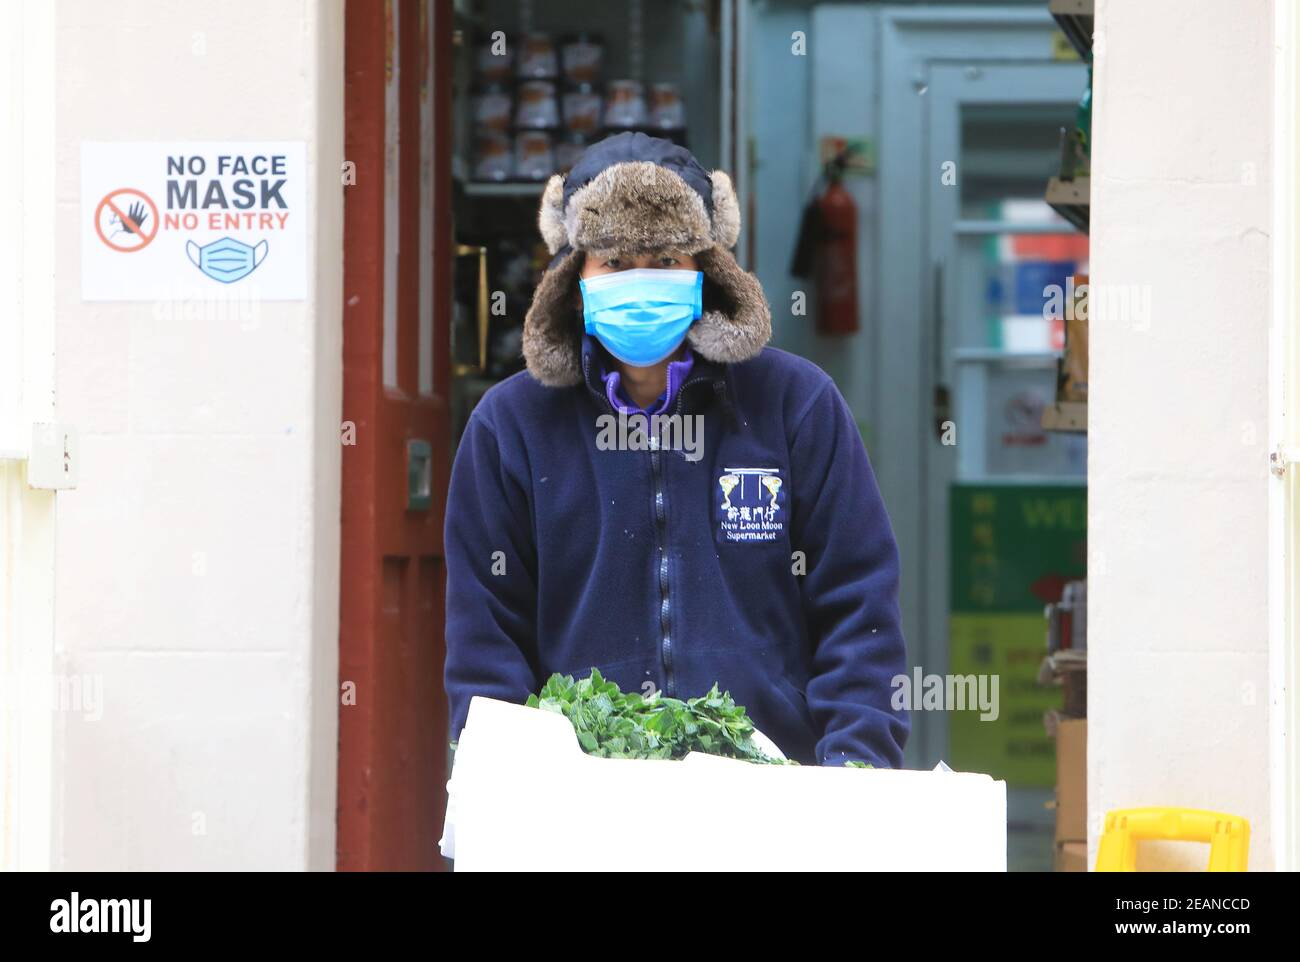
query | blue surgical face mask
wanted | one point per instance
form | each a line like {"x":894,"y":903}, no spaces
{"x":226,"y":260}
{"x":641,"y":316}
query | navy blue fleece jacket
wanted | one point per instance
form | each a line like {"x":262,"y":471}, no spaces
{"x":767,"y":564}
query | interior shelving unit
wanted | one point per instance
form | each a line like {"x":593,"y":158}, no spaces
{"x":1075,"y":18}
{"x":1070,"y":195}
{"x":1067,"y":194}
{"x":1068,"y":416}
{"x":1069,"y":198}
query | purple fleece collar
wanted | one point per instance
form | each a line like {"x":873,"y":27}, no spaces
{"x":678,"y":371}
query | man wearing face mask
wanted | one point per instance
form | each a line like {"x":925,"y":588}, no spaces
{"x":764,"y":562}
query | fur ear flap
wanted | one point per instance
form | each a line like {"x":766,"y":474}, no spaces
{"x":550,"y":217}
{"x":736,"y":329}
{"x":553,"y":326}
{"x":726,"y":211}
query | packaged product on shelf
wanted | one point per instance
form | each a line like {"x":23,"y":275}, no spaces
{"x":568,"y":150}
{"x":1083,"y":129}
{"x":534,"y":155}
{"x":667,"y":110}
{"x":625,"y":104}
{"x":493,"y":60}
{"x":492,"y":106}
{"x":1074,"y":365}
{"x":582,"y":109}
{"x":582,"y":56}
{"x":537,"y":58}
{"x":492,"y":159}
{"x":537,"y":108}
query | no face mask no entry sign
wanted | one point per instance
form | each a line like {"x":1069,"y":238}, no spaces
{"x":176,"y":220}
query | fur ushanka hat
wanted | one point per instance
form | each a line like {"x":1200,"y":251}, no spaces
{"x":633,"y":194}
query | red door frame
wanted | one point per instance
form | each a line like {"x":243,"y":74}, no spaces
{"x":393,"y":716}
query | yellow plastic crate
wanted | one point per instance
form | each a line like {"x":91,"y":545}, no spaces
{"x":1228,"y":835}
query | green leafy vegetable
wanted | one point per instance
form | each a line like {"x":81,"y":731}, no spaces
{"x":614,"y":724}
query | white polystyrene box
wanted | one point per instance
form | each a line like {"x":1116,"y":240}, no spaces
{"x":523,"y":795}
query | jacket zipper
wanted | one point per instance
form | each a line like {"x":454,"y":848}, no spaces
{"x":661,"y":533}
{"x":661,"y":538}
{"x":661,"y":542}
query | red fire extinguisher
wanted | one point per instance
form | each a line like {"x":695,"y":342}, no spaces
{"x":827,"y":251}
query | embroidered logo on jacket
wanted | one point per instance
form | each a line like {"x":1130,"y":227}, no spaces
{"x":751,"y":504}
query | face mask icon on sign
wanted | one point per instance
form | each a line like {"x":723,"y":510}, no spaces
{"x":226,"y":260}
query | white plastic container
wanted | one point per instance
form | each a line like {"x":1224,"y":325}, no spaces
{"x":523,"y":795}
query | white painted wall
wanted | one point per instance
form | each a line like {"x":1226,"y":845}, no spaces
{"x":26,"y":398}
{"x":196,"y":572}
{"x":1178,"y":422}
{"x":1284,"y":434}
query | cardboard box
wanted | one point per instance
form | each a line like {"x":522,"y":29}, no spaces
{"x":1071,"y":857}
{"x":1072,"y":780}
